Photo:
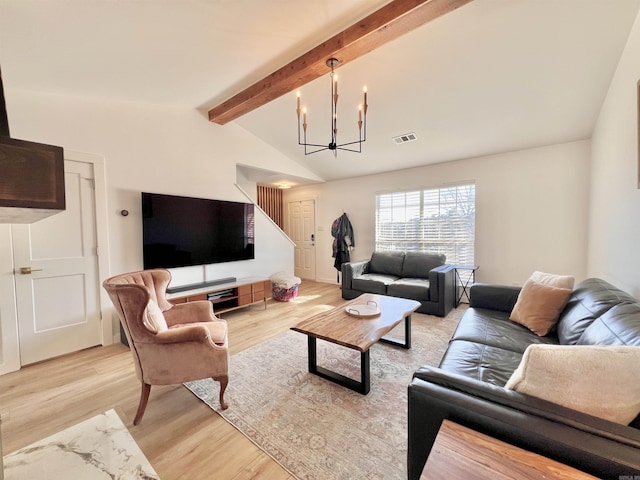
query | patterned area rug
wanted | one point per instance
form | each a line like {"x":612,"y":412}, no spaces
{"x":314,"y":428}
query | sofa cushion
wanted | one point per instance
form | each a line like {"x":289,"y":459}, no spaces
{"x":597,"y":380}
{"x":480,"y":362}
{"x":373,"y":283}
{"x":493,"y":328}
{"x":590,"y":299}
{"x":538,"y":306}
{"x":618,"y":326}
{"x":419,"y":264}
{"x":414,"y":288}
{"x":559,"y":281}
{"x":387,"y":263}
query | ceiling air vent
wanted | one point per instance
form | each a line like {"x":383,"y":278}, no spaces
{"x":407,"y":137}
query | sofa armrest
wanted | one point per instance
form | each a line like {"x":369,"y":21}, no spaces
{"x":442,"y":288}
{"x":190,"y":312}
{"x":599,"y":447}
{"x":493,"y":297}
{"x":351,"y":270}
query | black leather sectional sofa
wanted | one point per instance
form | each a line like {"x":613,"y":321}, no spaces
{"x":486,"y":348}
{"x":424,"y":277}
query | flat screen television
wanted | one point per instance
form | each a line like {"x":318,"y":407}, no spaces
{"x":184,"y":231}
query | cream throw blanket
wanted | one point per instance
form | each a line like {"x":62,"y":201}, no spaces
{"x":599,"y":380}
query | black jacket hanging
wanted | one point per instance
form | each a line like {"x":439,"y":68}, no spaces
{"x":342,"y":232}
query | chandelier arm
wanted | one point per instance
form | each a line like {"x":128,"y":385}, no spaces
{"x":364,"y":137}
{"x":349,"y":149}
{"x":314,"y":151}
{"x":349,"y":143}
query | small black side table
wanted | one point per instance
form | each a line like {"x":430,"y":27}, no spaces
{"x":464,"y":283}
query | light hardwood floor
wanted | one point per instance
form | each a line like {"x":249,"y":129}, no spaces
{"x":179,"y":434}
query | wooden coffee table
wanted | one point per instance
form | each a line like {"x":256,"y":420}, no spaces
{"x":358,"y":333}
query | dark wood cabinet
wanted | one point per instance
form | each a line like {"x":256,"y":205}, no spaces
{"x":32,"y":180}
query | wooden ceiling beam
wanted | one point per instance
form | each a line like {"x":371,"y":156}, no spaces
{"x":383,"y":25}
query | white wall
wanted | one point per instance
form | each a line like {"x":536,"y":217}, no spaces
{"x":614,"y":220}
{"x":156,"y":149}
{"x":531,"y":209}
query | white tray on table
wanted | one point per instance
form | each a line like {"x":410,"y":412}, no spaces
{"x":362,"y":310}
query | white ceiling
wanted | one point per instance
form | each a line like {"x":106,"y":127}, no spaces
{"x":490,"y":77}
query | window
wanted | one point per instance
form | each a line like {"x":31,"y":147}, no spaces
{"x":440,"y":220}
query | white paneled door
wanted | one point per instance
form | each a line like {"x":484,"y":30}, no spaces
{"x":56,"y":265}
{"x":302,"y":223}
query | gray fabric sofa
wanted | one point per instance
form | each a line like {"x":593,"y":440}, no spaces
{"x":424,"y":277}
{"x":485,"y":350}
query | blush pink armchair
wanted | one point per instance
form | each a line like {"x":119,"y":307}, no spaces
{"x":170,"y":344}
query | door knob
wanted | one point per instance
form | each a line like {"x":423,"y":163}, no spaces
{"x":28,"y":270}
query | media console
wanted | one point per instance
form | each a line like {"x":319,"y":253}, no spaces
{"x":197,"y":286}
{"x":229,"y":295}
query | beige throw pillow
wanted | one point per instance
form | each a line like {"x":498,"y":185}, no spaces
{"x":560,"y":281}
{"x":595,"y":379}
{"x":154,"y":319}
{"x":538,"y":306}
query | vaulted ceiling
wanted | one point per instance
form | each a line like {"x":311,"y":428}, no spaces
{"x":489,"y":77}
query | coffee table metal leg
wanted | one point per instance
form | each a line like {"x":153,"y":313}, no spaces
{"x":363,"y":386}
{"x":313,"y":361}
{"x":365,"y":373}
{"x":406,"y":343}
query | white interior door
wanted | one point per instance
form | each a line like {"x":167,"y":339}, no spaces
{"x":302,"y":222}
{"x":57,"y":291}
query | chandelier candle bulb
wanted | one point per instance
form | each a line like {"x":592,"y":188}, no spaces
{"x":364,"y":89}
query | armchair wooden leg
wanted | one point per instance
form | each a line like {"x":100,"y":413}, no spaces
{"x":144,"y":398}
{"x":224,"y":381}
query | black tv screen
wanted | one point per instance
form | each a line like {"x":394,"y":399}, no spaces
{"x":184,"y":231}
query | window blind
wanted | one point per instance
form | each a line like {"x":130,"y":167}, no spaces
{"x":439,"y":220}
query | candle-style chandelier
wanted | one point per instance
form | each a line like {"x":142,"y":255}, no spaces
{"x":333,"y":144}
